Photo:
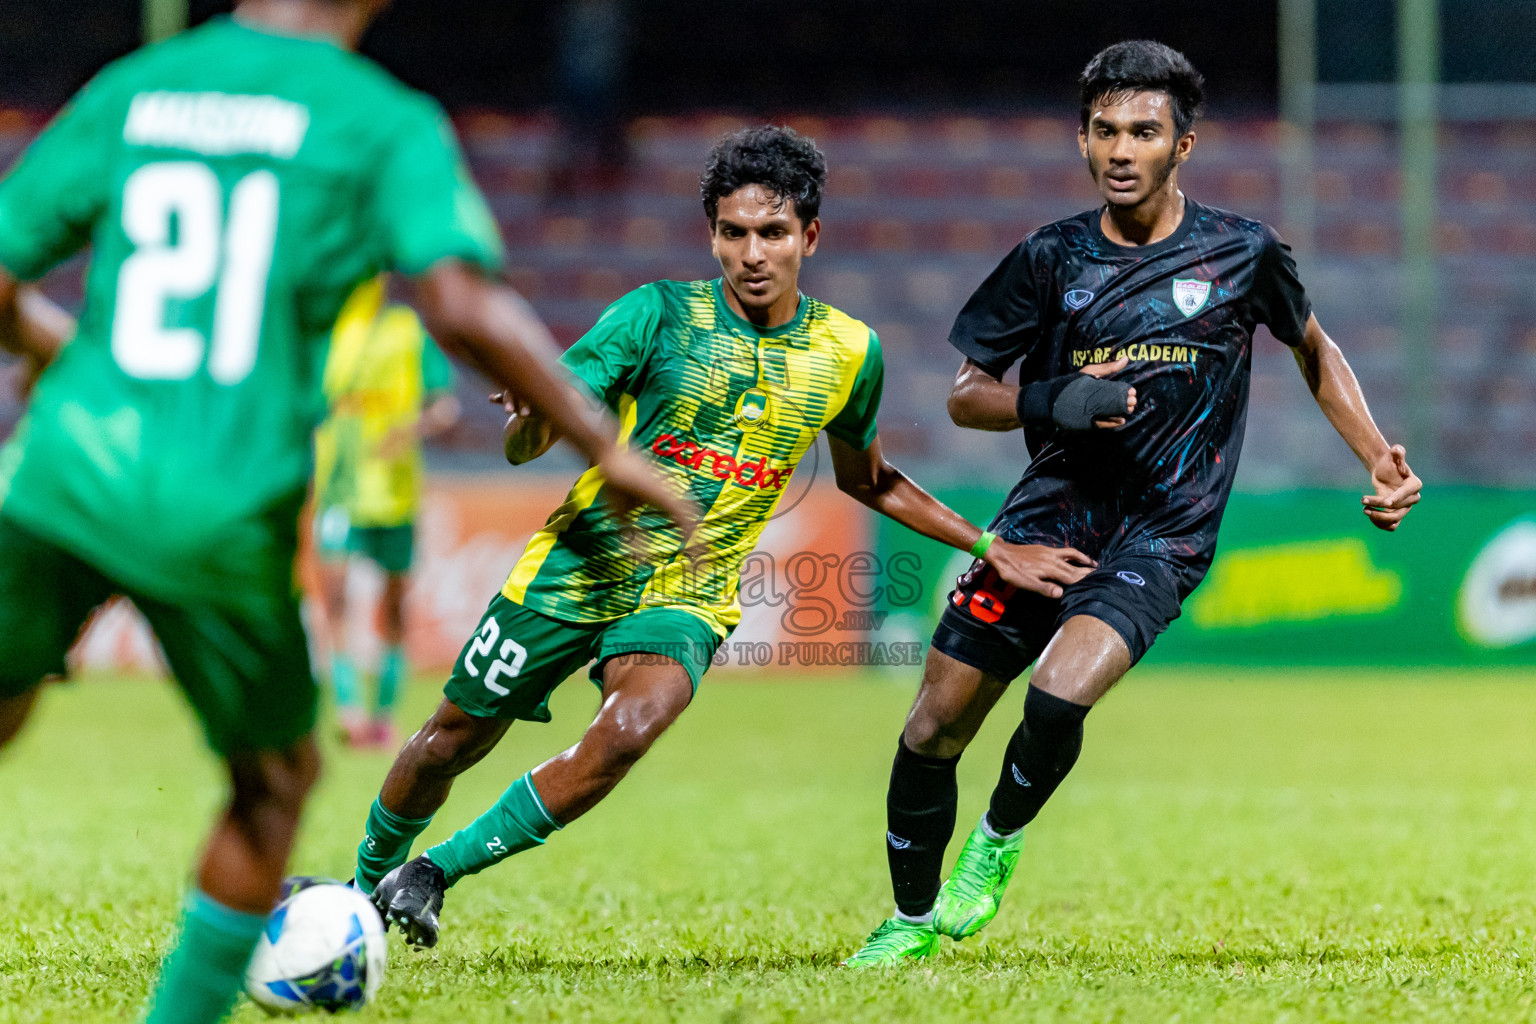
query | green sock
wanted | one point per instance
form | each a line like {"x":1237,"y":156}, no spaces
{"x":344,"y":681}
{"x":391,"y":673}
{"x":386,"y":844}
{"x":517,"y":822}
{"x":206,"y":970}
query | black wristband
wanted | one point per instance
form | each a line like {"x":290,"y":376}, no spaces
{"x":1038,"y":398}
{"x":1045,"y":403}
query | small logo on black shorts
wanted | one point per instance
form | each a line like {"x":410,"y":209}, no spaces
{"x":1077,"y":298}
{"x":1131,"y":577}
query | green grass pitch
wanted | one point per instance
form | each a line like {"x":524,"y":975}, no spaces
{"x":1233,"y":846}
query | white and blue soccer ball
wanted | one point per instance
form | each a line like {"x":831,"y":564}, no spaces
{"x":323,"y":949}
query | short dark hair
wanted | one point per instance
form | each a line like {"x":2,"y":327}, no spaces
{"x":784,"y":162}
{"x":1142,"y":65}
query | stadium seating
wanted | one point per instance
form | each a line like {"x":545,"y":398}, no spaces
{"x":920,"y":208}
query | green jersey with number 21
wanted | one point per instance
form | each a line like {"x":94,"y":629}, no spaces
{"x":234,"y":186}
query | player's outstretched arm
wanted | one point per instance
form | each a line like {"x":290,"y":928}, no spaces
{"x":489,"y":325}
{"x":1394,"y":485}
{"x":866,"y":476}
{"x":981,"y":401}
{"x":31,"y":326}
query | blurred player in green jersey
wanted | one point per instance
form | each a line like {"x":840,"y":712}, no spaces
{"x":725,"y":386}
{"x":235,"y":184}
{"x":386,"y":386}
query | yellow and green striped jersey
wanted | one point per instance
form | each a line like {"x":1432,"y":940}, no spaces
{"x":722,"y":408}
{"x":381,"y":370}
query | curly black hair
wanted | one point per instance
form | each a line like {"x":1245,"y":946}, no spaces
{"x":784,"y":162}
{"x":1141,"y":65}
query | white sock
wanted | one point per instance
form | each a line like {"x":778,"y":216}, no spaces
{"x":923,"y":919}
{"x":997,"y":837}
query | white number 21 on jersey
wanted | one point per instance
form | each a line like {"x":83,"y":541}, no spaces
{"x":234,"y":252}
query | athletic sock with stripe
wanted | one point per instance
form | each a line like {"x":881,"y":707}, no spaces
{"x":517,"y":821}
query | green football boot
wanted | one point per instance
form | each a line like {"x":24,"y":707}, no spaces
{"x":970,"y":898}
{"x":894,"y":941}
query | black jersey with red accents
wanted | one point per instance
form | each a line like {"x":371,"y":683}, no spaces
{"x":1182,"y":311}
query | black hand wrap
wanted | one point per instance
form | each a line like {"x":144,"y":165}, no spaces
{"x":1071,"y":402}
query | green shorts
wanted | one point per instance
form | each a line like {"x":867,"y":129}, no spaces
{"x":517,"y":657}
{"x":391,"y":547}
{"x":244,"y":667}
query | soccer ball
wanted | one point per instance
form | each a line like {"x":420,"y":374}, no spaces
{"x":323,"y":948}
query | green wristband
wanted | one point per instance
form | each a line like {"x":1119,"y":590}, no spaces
{"x":982,"y":543}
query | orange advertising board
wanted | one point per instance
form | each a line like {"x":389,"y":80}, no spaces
{"x":804,"y":590}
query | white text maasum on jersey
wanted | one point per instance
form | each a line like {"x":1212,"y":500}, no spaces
{"x":217,"y":123}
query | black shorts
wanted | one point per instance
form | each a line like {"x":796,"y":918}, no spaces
{"x":1001,"y":630}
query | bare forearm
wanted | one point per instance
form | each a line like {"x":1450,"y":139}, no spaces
{"x":11,"y":338}
{"x":981,"y":403}
{"x":893,"y":494}
{"x":45,"y":327}
{"x":523,"y":357}
{"x":1337,"y":391}
{"x":868,"y":477}
{"x":864,"y":475}
{"x":492,"y":327}
{"x":31,"y":325}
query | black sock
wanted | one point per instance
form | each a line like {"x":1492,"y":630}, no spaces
{"x":920,"y":813}
{"x":1042,"y":750}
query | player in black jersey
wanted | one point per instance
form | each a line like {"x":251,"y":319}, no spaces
{"x":1133,"y":327}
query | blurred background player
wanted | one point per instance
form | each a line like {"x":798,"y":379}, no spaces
{"x":1134,"y":325}
{"x":387,"y":387}
{"x":236,"y":184}
{"x":726,"y":385}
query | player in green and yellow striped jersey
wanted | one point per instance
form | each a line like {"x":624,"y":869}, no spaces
{"x":235,"y":183}
{"x":725,"y":384}
{"x":387,"y":386}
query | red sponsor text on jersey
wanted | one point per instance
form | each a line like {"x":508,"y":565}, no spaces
{"x":755,"y":473}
